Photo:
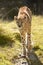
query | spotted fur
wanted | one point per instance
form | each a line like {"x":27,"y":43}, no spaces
{"x":24,"y":23}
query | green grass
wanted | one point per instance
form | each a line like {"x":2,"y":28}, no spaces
{"x":37,"y":35}
{"x":10,"y":46}
{"x":9,"y":42}
{"x":37,"y":31}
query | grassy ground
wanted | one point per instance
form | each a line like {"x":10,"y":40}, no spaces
{"x":37,"y":35}
{"x":10,"y":46}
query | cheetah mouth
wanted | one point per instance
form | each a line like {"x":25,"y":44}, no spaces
{"x":19,"y":27}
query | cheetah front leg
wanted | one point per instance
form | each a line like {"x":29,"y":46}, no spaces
{"x":25,"y":45}
{"x":28,"y":46}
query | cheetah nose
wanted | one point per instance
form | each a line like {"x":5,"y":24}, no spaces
{"x":19,"y":25}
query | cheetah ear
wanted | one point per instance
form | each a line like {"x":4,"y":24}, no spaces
{"x":15,"y":17}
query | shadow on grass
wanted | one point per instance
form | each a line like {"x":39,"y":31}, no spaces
{"x":8,"y":40}
{"x":34,"y":59}
{"x":5,"y":41}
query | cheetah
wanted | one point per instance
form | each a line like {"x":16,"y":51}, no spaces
{"x":24,"y":24}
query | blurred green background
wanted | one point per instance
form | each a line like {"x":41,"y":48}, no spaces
{"x":10,"y":45}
